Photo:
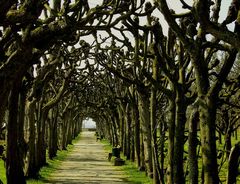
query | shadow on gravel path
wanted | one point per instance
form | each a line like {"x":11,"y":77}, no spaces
{"x":87,"y":163}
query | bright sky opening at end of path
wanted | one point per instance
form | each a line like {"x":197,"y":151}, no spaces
{"x":89,"y":123}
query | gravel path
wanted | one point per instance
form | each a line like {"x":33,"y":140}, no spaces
{"x":87,"y":163}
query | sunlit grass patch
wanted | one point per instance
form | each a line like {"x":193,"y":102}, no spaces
{"x":133,"y":174}
{"x":46,"y":171}
{"x":2,"y":172}
{"x":52,"y":165}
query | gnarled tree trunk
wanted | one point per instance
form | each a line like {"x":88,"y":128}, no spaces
{"x":144,"y":113}
{"x":192,"y":147}
{"x":32,"y":165}
{"x":14,"y":164}
{"x":53,"y":134}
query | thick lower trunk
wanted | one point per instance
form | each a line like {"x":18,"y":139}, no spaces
{"x":180,"y":121}
{"x":137,"y":135}
{"x":116,"y":141}
{"x":77,"y":124}
{"x":132,"y":154}
{"x":122,"y":117}
{"x":161,"y":149}
{"x":53,"y":139}
{"x":233,"y":164}
{"x":32,"y":170}
{"x":228,"y":141}
{"x":207,"y":114}
{"x":109,"y":132}
{"x":14,"y":164}
{"x":113,"y":135}
{"x":171,"y":132}
{"x":69,"y":127}
{"x":4,"y":93}
{"x":41,"y":147}
{"x":3,"y":107}
{"x":121,"y":120}
{"x":128,"y":133}
{"x":21,"y":124}
{"x":144,"y":106}
{"x":142,"y":154}
{"x":64,"y":132}
{"x":124,"y":143}
{"x":153,"y":113}
{"x":192,"y":147}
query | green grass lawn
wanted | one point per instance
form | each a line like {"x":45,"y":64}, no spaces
{"x":140,"y":177}
{"x":221,"y":161}
{"x":46,"y":171}
{"x":53,"y":165}
{"x":134,"y":175}
{"x":2,"y":172}
{"x":130,"y":168}
{"x":224,"y":168}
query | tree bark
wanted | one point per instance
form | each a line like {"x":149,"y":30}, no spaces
{"x":69,"y":127}
{"x":180,"y":121}
{"x":144,"y":106}
{"x":64,"y":130}
{"x":32,"y":165}
{"x":171,"y":132}
{"x":128,"y":132}
{"x":192,"y":147}
{"x":157,"y":177}
{"x":41,"y":143}
{"x":156,"y":165}
{"x":207,"y":113}
{"x":21,"y":123}
{"x":14,"y":164}
{"x":53,"y":134}
{"x":161,"y":148}
{"x":114,"y":129}
{"x":137,"y":134}
{"x":233,"y":164}
{"x":121,"y":120}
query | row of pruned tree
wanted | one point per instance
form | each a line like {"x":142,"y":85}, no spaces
{"x":44,"y":80}
{"x":175,"y":90}
{"x":149,"y":92}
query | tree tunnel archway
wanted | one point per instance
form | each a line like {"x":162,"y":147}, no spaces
{"x":127,"y":80}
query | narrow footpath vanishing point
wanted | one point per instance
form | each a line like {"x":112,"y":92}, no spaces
{"x":87,"y":163}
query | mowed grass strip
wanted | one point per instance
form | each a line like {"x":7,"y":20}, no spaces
{"x":46,"y":171}
{"x":133,"y":174}
{"x":53,"y":165}
{"x":140,"y":177}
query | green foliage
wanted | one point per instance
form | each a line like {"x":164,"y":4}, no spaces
{"x":2,"y":172}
